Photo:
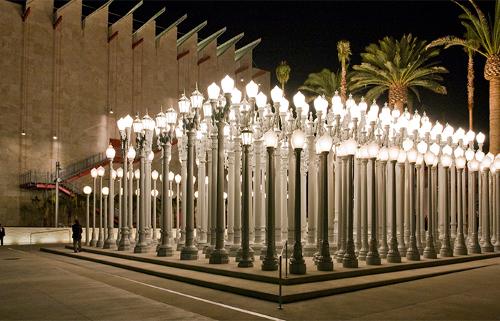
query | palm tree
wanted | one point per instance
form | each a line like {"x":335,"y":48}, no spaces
{"x":400,"y":67}
{"x":344,"y":53}
{"x":325,"y":82}
{"x":283,"y":74}
{"x":487,"y":34}
{"x":474,"y":42}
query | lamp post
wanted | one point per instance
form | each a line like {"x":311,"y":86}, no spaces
{"x":110,"y":243}
{"x":297,"y":263}
{"x":154,"y":195}
{"x":496,"y":188}
{"x":119,"y":174}
{"x":166,"y":124}
{"x":125,"y":127}
{"x":189,"y":111}
{"x":323,"y":146}
{"x":430,"y":249}
{"x":87,"y":190}
{"x":412,"y":252}
{"x":270,"y":262}
{"x":137,"y":176}
{"x":105,"y":193}
{"x":446,"y":250}
{"x":349,"y":149}
{"x":473,"y":246}
{"x":246,"y":259}
{"x":459,"y":246}
{"x":485,"y":170}
{"x":130,"y":193}
{"x":100,"y":240}
{"x":372,"y":257}
{"x":93,"y":173}
{"x":178,"y":204}
{"x":219,"y":113}
{"x":383,"y":157}
{"x":393,"y":255}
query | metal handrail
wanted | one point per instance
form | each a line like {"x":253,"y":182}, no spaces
{"x":51,"y":231}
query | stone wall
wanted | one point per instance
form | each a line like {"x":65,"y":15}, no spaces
{"x":71,"y":77}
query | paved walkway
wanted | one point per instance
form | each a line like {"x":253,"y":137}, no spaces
{"x":42,"y":286}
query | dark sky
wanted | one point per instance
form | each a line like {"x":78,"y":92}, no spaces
{"x":305,"y":34}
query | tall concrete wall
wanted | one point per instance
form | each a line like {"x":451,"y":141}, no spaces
{"x":72,"y":78}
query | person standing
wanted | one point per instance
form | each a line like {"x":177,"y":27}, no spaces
{"x":2,"y":234}
{"x":77,"y":236}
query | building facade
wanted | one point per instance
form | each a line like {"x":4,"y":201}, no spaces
{"x":65,"y":79}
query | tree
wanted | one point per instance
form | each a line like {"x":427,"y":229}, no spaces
{"x":399,"y":67}
{"x":487,"y":34}
{"x":321,"y":83}
{"x":283,"y":74}
{"x":344,"y":53}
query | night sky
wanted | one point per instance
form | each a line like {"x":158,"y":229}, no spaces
{"x":305,"y":35}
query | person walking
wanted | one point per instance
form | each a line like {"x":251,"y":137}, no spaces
{"x":2,"y":234}
{"x":77,"y":236}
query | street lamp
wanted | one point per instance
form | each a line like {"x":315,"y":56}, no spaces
{"x":412,"y":252}
{"x":219,"y":114}
{"x":119,"y":174}
{"x":459,"y":246}
{"x":110,"y":243}
{"x":93,"y":173}
{"x":372,"y":257}
{"x":87,"y":190}
{"x":446,"y":250}
{"x":154,"y":195}
{"x":393,"y":255}
{"x":130,"y":192}
{"x":323,"y":146}
{"x":105,"y":192}
{"x":270,"y":262}
{"x":125,"y":128}
{"x":189,"y":110}
{"x":100,"y":240}
{"x":166,"y":124}
{"x":245,"y":260}
{"x":348,"y":150}
{"x":486,"y":246}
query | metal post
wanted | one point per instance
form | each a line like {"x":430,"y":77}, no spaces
{"x":245,"y":260}
{"x":87,"y":241}
{"x":372,"y":257}
{"x":56,"y":221}
{"x":430,"y":249}
{"x":324,"y":261}
{"x":393,"y":255}
{"x":297,"y":263}
{"x":270,"y":260}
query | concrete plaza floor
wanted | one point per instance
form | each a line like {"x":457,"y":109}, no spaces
{"x":42,"y":286}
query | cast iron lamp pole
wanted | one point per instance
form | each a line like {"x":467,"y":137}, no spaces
{"x":125,"y":126}
{"x":189,"y":110}
{"x":93,"y":173}
{"x":166,"y":123}
{"x":323,"y":146}
{"x":100,"y":240}
{"x":412,"y":253}
{"x":393,"y":255}
{"x":372,"y":257}
{"x":446,"y":250}
{"x":245,"y":260}
{"x":270,"y":262}
{"x":110,"y":242}
{"x":459,"y":246}
{"x":430,"y":249}
{"x":348,"y":150}
{"x":219,"y":113}
{"x":297,"y":263}
{"x":485,"y":182}
{"x":130,"y":158}
{"x":87,"y":190}
{"x":141,"y":245}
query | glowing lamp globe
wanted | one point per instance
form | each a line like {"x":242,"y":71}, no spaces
{"x":320,"y":104}
{"x":93,"y":173}
{"x":284,"y":105}
{"x":105,"y":191}
{"x":496,"y":162}
{"x":154,"y":175}
{"x":490,"y":155}
{"x":429,"y":158}
{"x":261,"y":100}
{"x":113,"y":174}
{"x":350,"y":102}
{"x":459,"y":152}
{"x":393,"y":153}
{"x":407,"y":144}
{"x":486,"y":163}
{"x":435,"y":149}
{"x":276,"y":94}
{"x":196,"y":99}
{"x":373,"y":149}
{"x":235,"y":96}
{"x":213,"y":91}
{"x":154,"y":193}
{"x":87,"y":190}
{"x":355,"y":111}
{"x":207,"y":110}
{"x":460,"y":162}
{"x":324,"y":143}
{"x":148,"y":123}
{"x":422,"y":147}
{"x":119,"y":172}
{"x":480,"y":137}
{"x":120,"y":124}
{"x":473,"y":165}
{"x":270,"y":139}
{"x":469,"y":154}
{"x":299,"y":100}
{"x":479,"y":156}
{"x":100,"y":171}
{"x":151,"y":156}
{"x":383,"y":154}
{"x":177,"y":178}
{"x":420,"y":159}
{"x":184,"y":104}
{"x":446,"y":160}
{"x":447,"y":150}
{"x":227,"y":84}
{"x":298,"y":139}
{"x":110,"y":152}
{"x":412,"y":155}
{"x":349,"y":147}
{"x":131,"y":153}
{"x":401,"y":156}
{"x":252,"y":89}
{"x":137,"y":174}
{"x":246,"y":138}
{"x":363,"y":106}
{"x":337,"y":104}
{"x":137,"y":125}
